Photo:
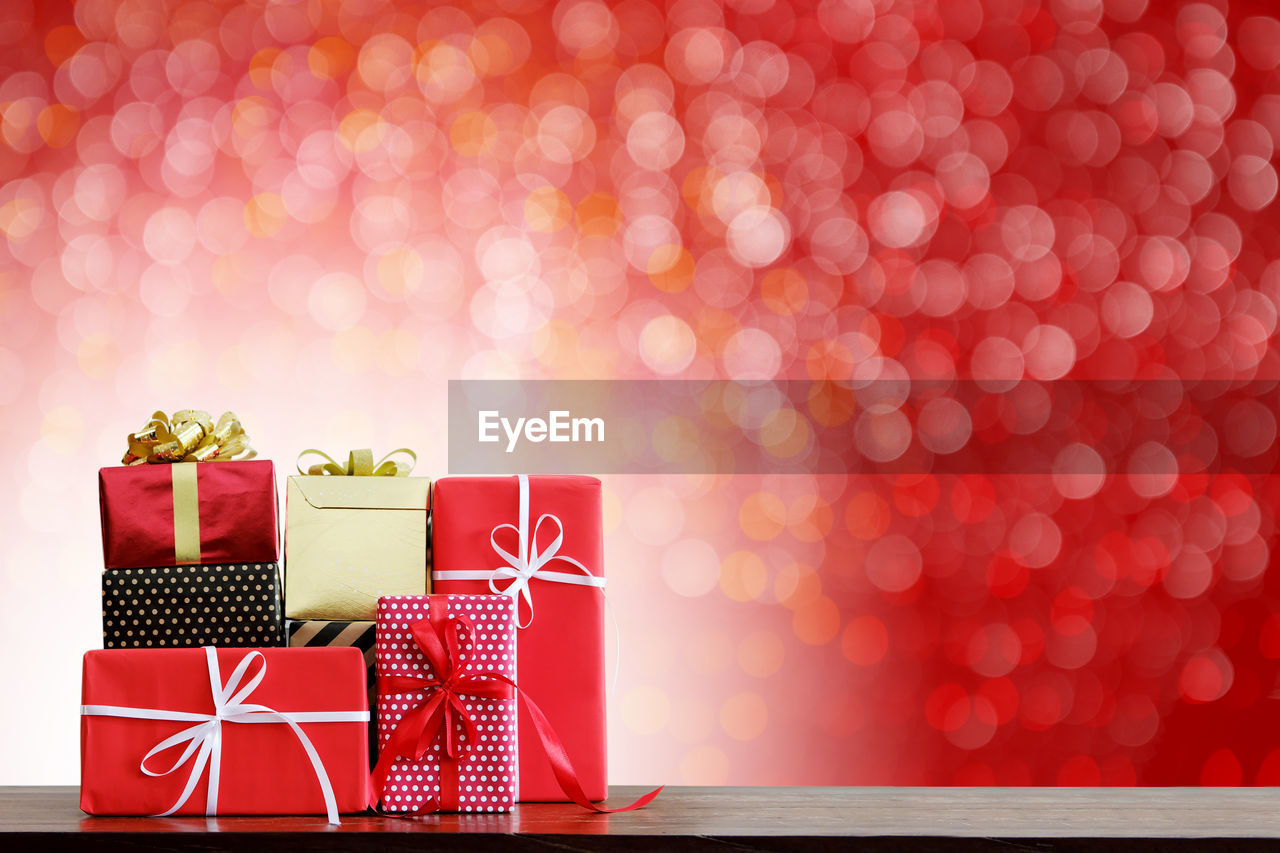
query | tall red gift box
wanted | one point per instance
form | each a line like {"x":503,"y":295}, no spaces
{"x":476,"y":650}
{"x":560,"y":644}
{"x":156,"y":708}
{"x":189,"y":513}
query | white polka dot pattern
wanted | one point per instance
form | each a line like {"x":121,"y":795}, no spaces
{"x":486,"y":769}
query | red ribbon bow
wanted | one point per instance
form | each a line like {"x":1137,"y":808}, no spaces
{"x":443,"y":715}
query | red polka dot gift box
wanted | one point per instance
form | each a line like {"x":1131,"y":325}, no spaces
{"x":446,"y":703}
{"x":539,"y":540}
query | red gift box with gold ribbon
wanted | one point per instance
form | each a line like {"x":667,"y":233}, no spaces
{"x":189,"y":513}
{"x":537,"y":539}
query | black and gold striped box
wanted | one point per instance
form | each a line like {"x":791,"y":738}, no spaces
{"x":182,"y":606}
{"x":318,"y":632}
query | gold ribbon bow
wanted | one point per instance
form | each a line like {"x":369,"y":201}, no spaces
{"x":189,"y":436}
{"x":359,"y":464}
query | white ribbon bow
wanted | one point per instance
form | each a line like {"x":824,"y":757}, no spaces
{"x":204,"y":739}
{"x":528,"y":561}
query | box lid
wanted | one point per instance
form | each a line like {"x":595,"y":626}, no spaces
{"x":325,"y":492}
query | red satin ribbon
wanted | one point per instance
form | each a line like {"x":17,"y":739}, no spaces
{"x":443,"y":715}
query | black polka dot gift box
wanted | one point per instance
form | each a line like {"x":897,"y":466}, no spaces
{"x":179,"y":606}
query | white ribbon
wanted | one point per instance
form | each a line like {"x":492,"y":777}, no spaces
{"x":528,"y":562}
{"x":204,"y":740}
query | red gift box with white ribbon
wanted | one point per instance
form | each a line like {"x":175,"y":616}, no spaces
{"x":537,"y":539}
{"x":224,"y":731}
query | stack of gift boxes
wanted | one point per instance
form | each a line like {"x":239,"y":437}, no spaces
{"x":468,"y":618}
{"x":190,"y":548}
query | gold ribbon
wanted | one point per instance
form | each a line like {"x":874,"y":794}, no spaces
{"x":189,"y":436}
{"x":359,"y":464}
{"x":186,"y":515}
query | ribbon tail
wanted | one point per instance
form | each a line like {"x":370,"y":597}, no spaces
{"x":322,"y":776}
{"x":402,"y":744}
{"x":378,"y":778}
{"x":197,"y":770}
{"x":436,"y":724}
{"x":562,"y":767}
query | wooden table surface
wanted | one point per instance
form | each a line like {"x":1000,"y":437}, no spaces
{"x":711,"y":818}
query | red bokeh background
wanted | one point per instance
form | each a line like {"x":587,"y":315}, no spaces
{"x":314,"y":212}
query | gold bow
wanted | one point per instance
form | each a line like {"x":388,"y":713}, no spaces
{"x":189,"y":436}
{"x":359,"y":464}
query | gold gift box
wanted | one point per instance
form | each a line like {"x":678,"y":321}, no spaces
{"x":349,"y":540}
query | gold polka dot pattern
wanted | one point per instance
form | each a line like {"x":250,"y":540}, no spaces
{"x":182,"y":606}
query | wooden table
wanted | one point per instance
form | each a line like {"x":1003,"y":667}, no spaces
{"x":725,"y":819}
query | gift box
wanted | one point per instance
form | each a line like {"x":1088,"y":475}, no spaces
{"x":360,"y":635}
{"x":174,"y":606}
{"x":465,"y":735}
{"x":537,"y":538}
{"x":188,"y":513}
{"x":351,"y":539}
{"x":223,"y":731}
